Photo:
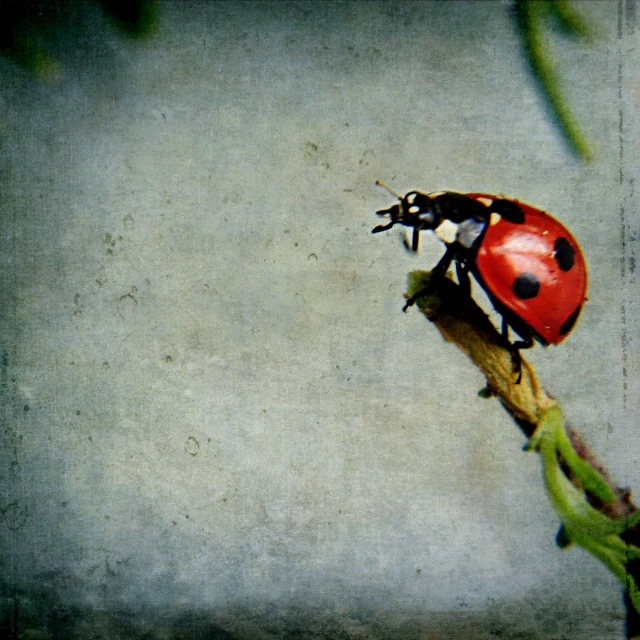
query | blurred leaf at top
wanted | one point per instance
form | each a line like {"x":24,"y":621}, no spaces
{"x":137,"y":18}
{"x":20,"y":21}
{"x":531,"y":17}
{"x":17,"y":39}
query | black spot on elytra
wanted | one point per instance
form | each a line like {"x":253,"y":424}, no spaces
{"x":570,"y":321}
{"x":564,"y":254}
{"x":526,"y":286}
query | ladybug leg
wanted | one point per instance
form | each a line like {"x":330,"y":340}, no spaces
{"x":438,"y":272}
{"x":524,"y":344}
{"x":462,"y":271}
{"x":415,"y":241}
{"x":382,"y":227}
{"x":527,"y":343}
{"x":516,"y":360}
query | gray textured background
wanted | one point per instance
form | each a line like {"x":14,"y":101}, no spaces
{"x":217,"y":421}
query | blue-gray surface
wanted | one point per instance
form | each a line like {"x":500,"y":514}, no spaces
{"x":217,"y":421}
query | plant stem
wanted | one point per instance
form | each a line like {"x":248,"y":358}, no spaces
{"x":461,"y":321}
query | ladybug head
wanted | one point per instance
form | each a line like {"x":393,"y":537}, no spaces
{"x":415,"y":210}
{"x":419,"y":212}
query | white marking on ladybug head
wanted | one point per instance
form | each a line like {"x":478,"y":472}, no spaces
{"x":494,"y":219}
{"x":485,"y":201}
{"x":447,"y":231}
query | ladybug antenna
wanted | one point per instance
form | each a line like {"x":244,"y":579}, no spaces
{"x":389,"y":189}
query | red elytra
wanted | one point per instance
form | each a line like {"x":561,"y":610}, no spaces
{"x":540,"y":246}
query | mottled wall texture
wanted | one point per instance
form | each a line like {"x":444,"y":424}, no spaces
{"x":217,"y":422}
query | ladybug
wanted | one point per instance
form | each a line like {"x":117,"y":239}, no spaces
{"x":528,"y":263}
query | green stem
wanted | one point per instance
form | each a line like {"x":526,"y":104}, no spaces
{"x":582,"y":523}
{"x":590,"y":479}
